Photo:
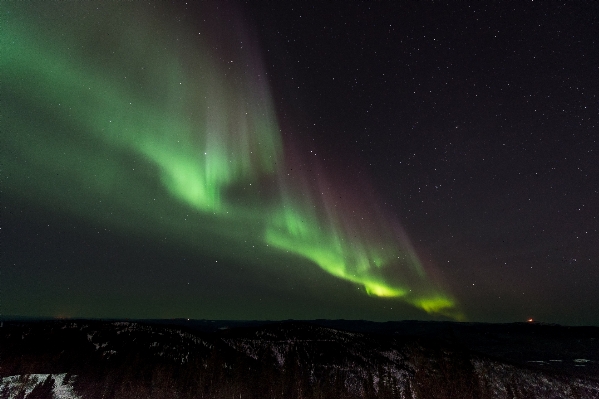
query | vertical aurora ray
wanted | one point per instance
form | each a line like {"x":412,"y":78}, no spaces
{"x":113,"y":103}
{"x":200,"y":149}
{"x":352,"y":240}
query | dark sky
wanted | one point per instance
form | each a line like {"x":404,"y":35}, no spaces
{"x":275,"y":160}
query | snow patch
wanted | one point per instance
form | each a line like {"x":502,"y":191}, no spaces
{"x":14,"y":384}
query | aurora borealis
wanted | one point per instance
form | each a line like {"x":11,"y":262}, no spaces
{"x":152,"y":142}
{"x":203,"y":137}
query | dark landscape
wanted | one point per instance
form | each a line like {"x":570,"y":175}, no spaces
{"x":296,"y":359}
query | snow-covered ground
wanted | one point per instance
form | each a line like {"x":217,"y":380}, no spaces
{"x":16,"y":383}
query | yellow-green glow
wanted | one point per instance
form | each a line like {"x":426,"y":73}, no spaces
{"x":437,"y":304}
{"x":382,"y":290}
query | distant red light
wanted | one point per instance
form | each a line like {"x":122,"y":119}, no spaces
{"x":530,"y":320}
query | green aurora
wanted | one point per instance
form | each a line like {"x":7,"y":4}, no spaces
{"x":111,"y":114}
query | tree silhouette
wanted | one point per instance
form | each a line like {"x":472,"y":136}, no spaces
{"x":5,"y":391}
{"x":44,"y":390}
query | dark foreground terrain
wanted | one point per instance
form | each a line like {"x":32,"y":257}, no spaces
{"x":318,"y":359}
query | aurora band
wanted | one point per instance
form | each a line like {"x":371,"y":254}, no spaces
{"x":98,"y":106}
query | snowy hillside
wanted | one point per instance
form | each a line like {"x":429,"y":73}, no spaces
{"x":37,"y":386}
{"x":94,"y":359}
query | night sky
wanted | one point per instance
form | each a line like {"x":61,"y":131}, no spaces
{"x":300,"y":160}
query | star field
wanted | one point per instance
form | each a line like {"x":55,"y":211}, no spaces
{"x":300,"y":160}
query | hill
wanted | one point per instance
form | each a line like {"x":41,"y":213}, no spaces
{"x":292,"y":359}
